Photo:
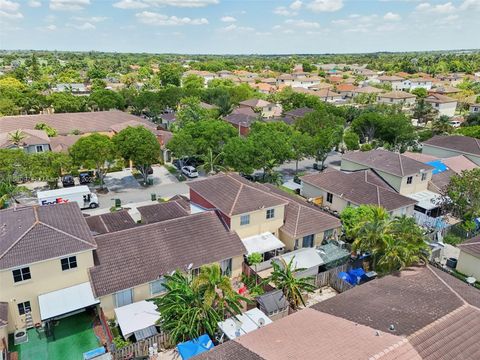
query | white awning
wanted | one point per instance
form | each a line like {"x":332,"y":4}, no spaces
{"x":243,"y":324}
{"x":304,"y":258}
{"x":136,"y":316}
{"x":64,"y":301}
{"x":262,"y":243}
{"x":426,"y":199}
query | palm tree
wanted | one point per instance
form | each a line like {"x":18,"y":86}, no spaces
{"x":212,"y":163}
{"x":369,"y":235}
{"x":191,"y":308}
{"x":17,"y":137}
{"x":8,"y":192}
{"x":442,"y":125}
{"x":285,"y":277}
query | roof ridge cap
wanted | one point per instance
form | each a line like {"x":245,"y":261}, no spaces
{"x":103,"y":222}
{"x":236,"y":197}
{"x":401,"y":163}
{"x":450,"y":288}
{"x":69,"y":235}
{"x":296,"y":222}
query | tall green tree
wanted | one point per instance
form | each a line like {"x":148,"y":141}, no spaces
{"x":94,"y":151}
{"x":139,"y":145}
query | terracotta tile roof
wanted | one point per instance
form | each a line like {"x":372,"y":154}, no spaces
{"x":253,"y":103}
{"x":387,"y":161}
{"x":441,"y":180}
{"x":309,"y":333}
{"x":462,"y":144}
{"x":440,"y":99}
{"x":410,"y":300}
{"x":390,"y":78}
{"x":459,"y":163}
{"x":137,"y":256}
{"x":345,"y":87}
{"x":110,"y":222}
{"x":301,"y":218}
{"x":300,"y":112}
{"x":368,"y":90}
{"x":359,"y":187}
{"x":3,"y":313}
{"x":471,"y":246}
{"x":86,"y":122}
{"x":37,"y":233}
{"x":62,"y":143}
{"x":130,"y":123}
{"x":161,"y":212}
{"x":419,"y":156}
{"x":31,"y":137}
{"x":397,"y":95}
{"x":233,"y":195}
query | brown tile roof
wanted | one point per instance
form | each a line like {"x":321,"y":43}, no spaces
{"x":441,"y":180}
{"x":137,"y":256}
{"x":301,"y":218}
{"x":310,"y":334}
{"x":110,"y":222}
{"x":368,"y":90}
{"x":182,"y":200}
{"x":397,"y":95}
{"x":100,"y":121}
{"x":440,"y":99}
{"x":410,"y":300}
{"x":253,"y":103}
{"x":463,"y":144}
{"x":387,"y":161}
{"x":161,"y":212}
{"x":471,"y":246}
{"x":345,"y":87}
{"x":38,"y":233}
{"x":130,"y":123}
{"x":390,"y":78}
{"x":233,"y":195}
{"x":359,"y":187}
{"x":62,"y":143}
{"x":419,"y":156}
{"x":3,"y":313}
{"x":230,"y":350}
{"x":300,"y":112}
{"x":459,"y":163}
{"x":31,"y":137}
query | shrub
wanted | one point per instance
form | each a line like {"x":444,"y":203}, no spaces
{"x":120,"y":342}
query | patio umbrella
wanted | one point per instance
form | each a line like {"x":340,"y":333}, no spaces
{"x":189,"y":349}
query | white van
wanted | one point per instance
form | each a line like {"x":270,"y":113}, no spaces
{"x":79,"y":194}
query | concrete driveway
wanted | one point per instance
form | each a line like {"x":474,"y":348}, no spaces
{"x":120,"y":181}
{"x":306,"y":165}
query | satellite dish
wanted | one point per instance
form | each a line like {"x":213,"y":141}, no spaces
{"x":189,"y":267}
{"x":261,"y":322}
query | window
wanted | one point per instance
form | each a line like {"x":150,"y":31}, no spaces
{"x":124,"y":297}
{"x":69,"y":263}
{"x":328,"y":234}
{"x":226,"y":266}
{"x":424,"y":176}
{"x":157,"y":286}
{"x":409,"y":179}
{"x":270,"y":213}
{"x":21,"y":274}
{"x":245,"y":219}
{"x":329,"y":198}
{"x":308,"y":241}
{"x":296,"y":245}
{"x":24,"y":307}
{"x":39,"y":148}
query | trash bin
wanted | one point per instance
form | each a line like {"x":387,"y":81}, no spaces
{"x":118,"y":203}
{"x":451,"y":263}
{"x":153,"y":197}
{"x":149,"y":181}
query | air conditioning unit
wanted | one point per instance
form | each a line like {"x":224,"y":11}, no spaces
{"x":20,"y":336}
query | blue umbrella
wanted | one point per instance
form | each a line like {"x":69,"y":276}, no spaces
{"x":189,"y":349}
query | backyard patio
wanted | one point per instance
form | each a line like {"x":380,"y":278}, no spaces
{"x":74,"y":335}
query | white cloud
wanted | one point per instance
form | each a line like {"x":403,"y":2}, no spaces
{"x":11,"y":15}
{"x":153,"y":18}
{"x":390,"y":16}
{"x":50,"y":27}
{"x":325,"y":5}
{"x":130,"y":4}
{"x":182,"y":3}
{"x":91,"y":19}
{"x":296,"y":5}
{"x":7,"y":5}
{"x":233,"y":27}
{"x":68,"y":5}
{"x":84,"y":26}
{"x":291,"y":10}
{"x":228,"y":19}
{"x":470,"y":4}
{"x":34,"y":3}
{"x":303,"y":24}
{"x":446,"y":8}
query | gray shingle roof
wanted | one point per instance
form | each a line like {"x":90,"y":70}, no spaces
{"x":359,"y":187}
{"x":387,"y":161}
{"x":161,"y":212}
{"x":462,"y":144}
{"x":30,"y":234}
{"x":110,"y":222}
{"x":233,"y":195}
{"x":137,"y":256}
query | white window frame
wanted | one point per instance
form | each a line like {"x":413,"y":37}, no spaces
{"x":154,"y":283}
{"x":329,"y":195}
{"x":270,"y":214}
{"x":245,"y":219}
{"x":226,"y":267}
{"x":424,"y":176}
{"x":123,"y":292}
{"x":26,"y":308}
{"x":409,"y":180}
{"x":70,"y":260}
{"x":22,"y":274}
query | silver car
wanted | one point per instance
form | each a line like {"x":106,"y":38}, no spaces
{"x":189,"y":171}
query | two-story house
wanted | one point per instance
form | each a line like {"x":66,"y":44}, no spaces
{"x":32,"y":141}
{"x":45,"y":253}
{"x":453,"y":145}
{"x":445,"y":105}
{"x":395,"y":81}
{"x":264,"y":108}
{"x":397,"y":97}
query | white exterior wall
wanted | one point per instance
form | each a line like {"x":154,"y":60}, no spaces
{"x":468,"y":264}
{"x":447,"y":109}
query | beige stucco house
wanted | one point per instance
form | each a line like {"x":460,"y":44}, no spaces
{"x":469,"y":258}
{"x":397,"y":97}
{"x":453,"y":145}
{"x":445,"y":105}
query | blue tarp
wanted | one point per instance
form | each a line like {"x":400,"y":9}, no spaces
{"x":353,"y":276}
{"x":94,"y":353}
{"x":439,"y":167}
{"x":189,"y":349}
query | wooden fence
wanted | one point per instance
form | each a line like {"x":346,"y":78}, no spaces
{"x":140,"y":348}
{"x":330,"y":278}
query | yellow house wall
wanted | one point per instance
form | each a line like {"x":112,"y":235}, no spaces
{"x":47,"y":276}
{"x":259,"y":223}
{"x":468,"y":265}
{"x":290,"y":241}
{"x":400,"y":183}
{"x":142,"y":292}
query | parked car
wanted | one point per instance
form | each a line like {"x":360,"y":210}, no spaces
{"x":85,"y":178}
{"x":190,"y":171}
{"x":455,"y":123}
{"x":68,"y":181}
{"x":178,"y":164}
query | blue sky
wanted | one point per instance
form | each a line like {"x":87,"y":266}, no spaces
{"x":236,"y":26}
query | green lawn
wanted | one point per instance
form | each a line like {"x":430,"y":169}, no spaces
{"x":73,"y":336}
